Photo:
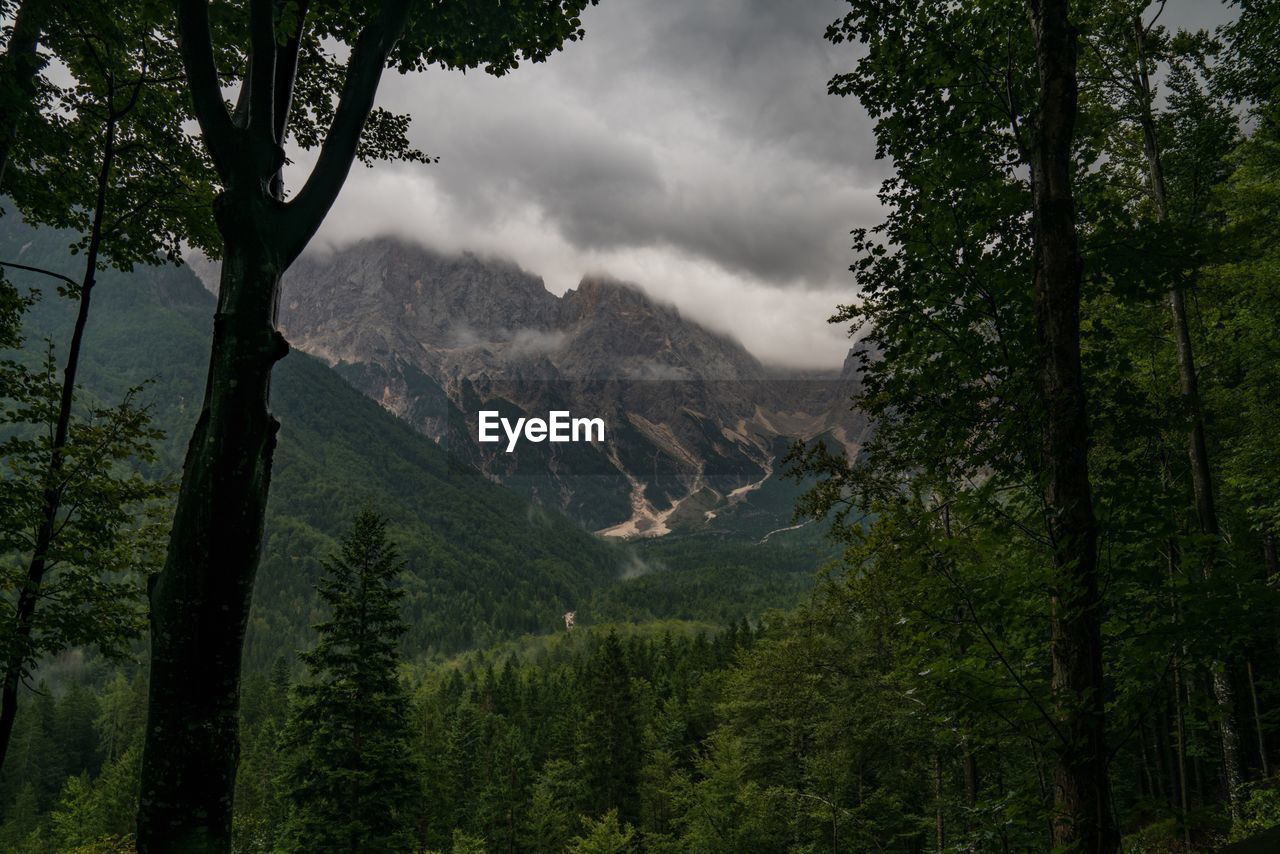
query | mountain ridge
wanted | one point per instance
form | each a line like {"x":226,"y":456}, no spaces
{"x":695,"y":419}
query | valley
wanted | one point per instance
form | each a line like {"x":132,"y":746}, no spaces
{"x":483,"y":563}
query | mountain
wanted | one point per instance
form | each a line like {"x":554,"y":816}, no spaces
{"x":695,"y":425}
{"x":482,"y":563}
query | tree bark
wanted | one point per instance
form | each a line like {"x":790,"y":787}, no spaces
{"x":1083,"y":818}
{"x":18,"y":69}
{"x":200,"y":601}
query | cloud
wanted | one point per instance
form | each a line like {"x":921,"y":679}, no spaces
{"x":536,"y":342}
{"x":651,"y":370}
{"x":689,"y":147}
{"x":634,"y":566}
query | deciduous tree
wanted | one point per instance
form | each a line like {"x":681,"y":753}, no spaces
{"x":288,"y":86}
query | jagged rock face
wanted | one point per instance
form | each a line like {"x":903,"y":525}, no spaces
{"x":383,"y":298}
{"x":694,"y":422}
{"x":615,"y":330}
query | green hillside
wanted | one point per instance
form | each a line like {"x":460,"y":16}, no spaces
{"x":483,"y":563}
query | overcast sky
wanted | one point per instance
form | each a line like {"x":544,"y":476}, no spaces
{"x":688,"y":146}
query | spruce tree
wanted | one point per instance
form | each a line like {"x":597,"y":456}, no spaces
{"x":610,"y":738}
{"x":350,"y":777}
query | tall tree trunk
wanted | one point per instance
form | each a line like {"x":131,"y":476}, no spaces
{"x":971,"y":785}
{"x":939,"y":814}
{"x":1197,"y":445}
{"x":1083,"y":819}
{"x":1160,"y":728}
{"x":1146,"y":777}
{"x":24,"y":612}
{"x":200,"y":601}
{"x":1180,"y":720}
{"x":1264,"y":764}
{"x":18,"y":69}
{"x":1158,"y":754}
{"x":1001,"y":791}
{"x":1179,"y":716}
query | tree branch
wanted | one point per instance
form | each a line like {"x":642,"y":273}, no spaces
{"x":285,"y":78}
{"x":287,"y":73}
{"x":41,"y":270}
{"x":262,"y":41}
{"x":364,"y":71}
{"x":240,"y":110}
{"x":196,"y":45}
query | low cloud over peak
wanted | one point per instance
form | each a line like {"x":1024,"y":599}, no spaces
{"x":690,"y":147}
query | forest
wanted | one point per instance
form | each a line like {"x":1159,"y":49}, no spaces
{"x":253,"y":611}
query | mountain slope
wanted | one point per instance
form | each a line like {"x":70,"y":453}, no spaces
{"x":482,"y":563}
{"x":695,"y":424}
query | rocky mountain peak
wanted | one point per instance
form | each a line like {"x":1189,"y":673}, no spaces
{"x":597,"y":292}
{"x":435,"y":338}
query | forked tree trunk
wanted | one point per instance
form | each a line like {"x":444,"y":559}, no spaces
{"x":200,"y":602}
{"x":1082,"y":817}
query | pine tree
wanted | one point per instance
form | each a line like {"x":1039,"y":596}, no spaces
{"x":605,"y":836}
{"x":349,"y":776}
{"x":609,"y":743}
